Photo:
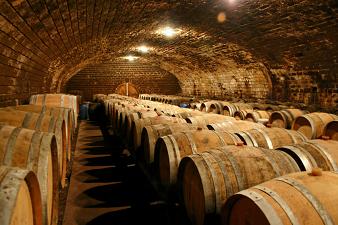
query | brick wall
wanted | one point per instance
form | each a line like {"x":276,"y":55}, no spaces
{"x":104,"y":78}
{"x":311,"y":87}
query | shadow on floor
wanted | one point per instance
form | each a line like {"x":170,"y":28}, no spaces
{"x":104,"y":175}
{"x":122,"y":187}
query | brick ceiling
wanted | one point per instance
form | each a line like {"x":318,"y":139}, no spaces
{"x":51,"y":40}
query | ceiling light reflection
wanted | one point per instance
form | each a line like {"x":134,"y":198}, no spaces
{"x":168,"y":31}
{"x":130,"y":58}
{"x":143,"y":49}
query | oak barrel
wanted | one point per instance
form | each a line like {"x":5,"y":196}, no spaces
{"x":140,"y":114}
{"x":284,"y":118}
{"x":196,"y":106}
{"x":217,"y":107}
{"x":270,"y":138}
{"x":187,"y":113}
{"x":58,"y":100}
{"x":20,"y":197}
{"x":150,"y":134}
{"x":299,"y":198}
{"x":314,"y":153}
{"x":256,"y":115}
{"x":170,"y":149}
{"x":205,"y":106}
{"x":43,"y":123}
{"x":235,"y":126}
{"x":241,"y":114}
{"x":138,"y":125}
{"x":206,"y":119}
{"x":207,"y":179}
{"x":61,"y":113}
{"x":331,"y":130}
{"x":36,"y":151}
{"x":312,"y":125}
{"x":229,"y":109}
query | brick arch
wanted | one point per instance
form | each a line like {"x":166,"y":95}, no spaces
{"x":47,"y":42}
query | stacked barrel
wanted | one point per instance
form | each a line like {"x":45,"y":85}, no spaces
{"x":238,"y":162}
{"x":35,"y":148}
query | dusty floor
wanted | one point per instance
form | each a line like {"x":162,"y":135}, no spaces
{"x":108,"y":187}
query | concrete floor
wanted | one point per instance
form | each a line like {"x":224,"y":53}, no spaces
{"x":108,"y":187}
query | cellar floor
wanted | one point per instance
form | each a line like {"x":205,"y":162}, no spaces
{"x":107,"y":186}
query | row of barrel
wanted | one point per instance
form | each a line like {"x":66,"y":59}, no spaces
{"x":35,"y":148}
{"x":212,"y":162}
{"x":278,"y":116}
{"x":313,"y":125}
{"x":274,"y":115}
{"x":168,"y":99}
{"x":196,"y":103}
{"x":318,"y":124}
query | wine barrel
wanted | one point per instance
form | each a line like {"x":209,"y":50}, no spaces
{"x":270,"y":138}
{"x":187,"y":113}
{"x":57,"y":100}
{"x":312,"y":125}
{"x":138,"y":125}
{"x":314,"y":153}
{"x":175,"y":112}
{"x":169,"y":111}
{"x":43,"y":123}
{"x":111,"y":104}
{"x":107,"y":110}
{"x":235,"y":126}
{"x":206,"y":119}
{"x":331,"y":130}
{"x":120,"y":116}
{"x":150,"y":134}
{"x":36,"y":151}
{"x":61,"y":113}
{"x":266,"y":107}
{"x":207,"y":179}
{"x":137,"y":116}
{"x":241,"y":114}
{"x":117,"y":117}
{"x":65,"y":113}
{"x":205,"y":106}
{"x":230,"y":108}
{"x":256,"y":115}
{"x":99,"y":97}
{"x":284,"y":118}
{"x":123,"y":115}
{"x":121,"y":108}
{"x":170,"y":149}
{"x":217,"y":107}
{"x":196,"y":106}
{"x":143,"y":96}
{"x":20,"y":197}
{"x":299,"y":198}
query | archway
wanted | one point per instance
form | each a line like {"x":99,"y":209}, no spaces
{"x":127,"y":89}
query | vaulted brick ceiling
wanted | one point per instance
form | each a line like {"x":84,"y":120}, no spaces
{"x":44,"y":43}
